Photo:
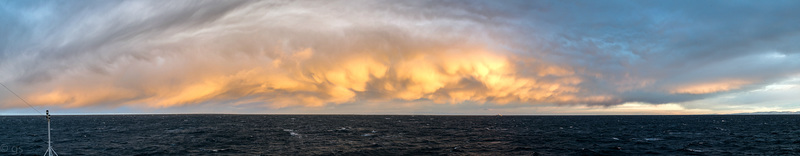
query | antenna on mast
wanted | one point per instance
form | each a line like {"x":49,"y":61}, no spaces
{"x":50,"y":151}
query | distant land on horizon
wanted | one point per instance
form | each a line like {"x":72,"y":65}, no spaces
{"x":769,"y":113}
{"x":206,"y":113}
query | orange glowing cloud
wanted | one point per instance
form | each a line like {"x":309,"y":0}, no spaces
{"x":235,"y":55}
{"x":306,"y":77}
{"x":710,"y":87}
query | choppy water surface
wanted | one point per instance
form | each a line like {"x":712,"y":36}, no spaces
{"x":402,"y":135}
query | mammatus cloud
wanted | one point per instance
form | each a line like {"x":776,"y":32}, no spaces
{"x":313,"y":54}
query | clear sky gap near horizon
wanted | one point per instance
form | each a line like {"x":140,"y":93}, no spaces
{"x":476,"y":57}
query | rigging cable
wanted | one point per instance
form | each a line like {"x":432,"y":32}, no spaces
{"x":23,"y":100}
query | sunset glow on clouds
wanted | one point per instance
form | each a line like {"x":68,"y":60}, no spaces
{"x":436,"y":57}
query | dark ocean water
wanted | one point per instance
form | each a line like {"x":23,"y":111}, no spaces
{"x":402,"y":135}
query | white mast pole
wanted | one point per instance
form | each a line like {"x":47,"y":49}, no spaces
{"x":50,"y":151}
{"x":48,"y":129}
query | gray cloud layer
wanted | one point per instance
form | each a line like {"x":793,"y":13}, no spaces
{"x":156,"y":53}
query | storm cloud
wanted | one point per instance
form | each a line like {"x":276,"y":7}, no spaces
{"x":278,"y":54}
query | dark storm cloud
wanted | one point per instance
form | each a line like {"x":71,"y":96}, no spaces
{"x":280,"y":53}
{"x":58,"y":35}
{"x":646,"y":47}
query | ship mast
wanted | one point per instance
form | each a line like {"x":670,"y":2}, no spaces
{"x":50,"y":151}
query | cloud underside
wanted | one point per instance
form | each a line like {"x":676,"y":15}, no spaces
{"x":313,"y":54}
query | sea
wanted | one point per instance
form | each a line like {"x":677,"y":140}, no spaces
{"x":224,"y":134}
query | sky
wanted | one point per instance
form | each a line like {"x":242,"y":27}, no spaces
{"x":478,"y":57}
